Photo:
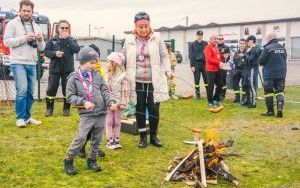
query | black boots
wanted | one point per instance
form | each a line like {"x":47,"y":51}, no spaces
{"x":66,"y":111}
{"x":237,"y":98}
{"x":143,"y":140}
{"x":197,"y":92}
{"x":50,"y":107}
{"x":270,"y":108}
{"x":69,"y":167}
{"x":279,"y":108}
{"x":155,"y":141}
{"x":92,"y":165}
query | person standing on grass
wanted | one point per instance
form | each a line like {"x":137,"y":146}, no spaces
{"x":197,"y":61}
{"x":252,"y":56}
{"x":87,"y":90}
{"x":239,"y":73}
{"x":225,"y":57}
{"x":147,"y":66}
{"x":98,"y":67}
{"x":173,"y":62}
{"x":273,"y":60}
{"x":119,"y":88}
{"x":60,"y":50}
{"x":213,"y":64}
{"x":24,"y":38}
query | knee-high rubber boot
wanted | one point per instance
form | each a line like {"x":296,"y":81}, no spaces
{"x":66,"y":110}
{"x":280,"y":103}
{"x":270,"y":107}
{"x":143,"y":140}
{"x":50,"y":107}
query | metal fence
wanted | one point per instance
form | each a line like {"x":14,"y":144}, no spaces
{"x":7,"y":84}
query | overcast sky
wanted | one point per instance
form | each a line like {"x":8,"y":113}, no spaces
{"x":116,"y":16}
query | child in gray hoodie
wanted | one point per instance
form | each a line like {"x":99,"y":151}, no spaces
{"x":87,"y":90}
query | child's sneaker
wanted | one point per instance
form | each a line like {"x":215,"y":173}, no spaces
{"x":69,"y":167}
{"x":110,"y":146}
{"x":117,"y":143}
{"x":92,"y":165}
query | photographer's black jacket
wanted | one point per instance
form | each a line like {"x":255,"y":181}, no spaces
{"x":65,"y":64}
{"x":196,"y":52}
{"x":273,"y":60}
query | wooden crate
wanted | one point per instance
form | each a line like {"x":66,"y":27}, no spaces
{"x":129,"y":125}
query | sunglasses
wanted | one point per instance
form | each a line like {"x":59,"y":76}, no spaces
{"x":142,"y":16}
{"x":64,"y":28}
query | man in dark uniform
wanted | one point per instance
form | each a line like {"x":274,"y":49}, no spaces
{"x":273,"y":60}
{"x":239,"y":73}
{"x":61,"y":51}
{"x":197,"y":61}
{"x":252,"y":55}
{"x":225,"y":57}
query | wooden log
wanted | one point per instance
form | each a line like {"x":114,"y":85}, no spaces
{"x":169,"y":176}
{"x":202,"y":164}
{"x":216,"y":110}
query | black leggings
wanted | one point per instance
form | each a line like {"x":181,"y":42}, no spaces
{"x":145,"y":99}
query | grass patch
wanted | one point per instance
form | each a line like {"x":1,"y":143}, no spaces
{"x":32,"y":157}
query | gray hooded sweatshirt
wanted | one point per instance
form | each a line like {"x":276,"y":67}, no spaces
{"x":76,"y":94}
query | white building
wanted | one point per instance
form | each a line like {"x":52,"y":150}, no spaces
{"x":288,"y":31}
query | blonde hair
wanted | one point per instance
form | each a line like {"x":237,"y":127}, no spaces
{"x":115,"y":68}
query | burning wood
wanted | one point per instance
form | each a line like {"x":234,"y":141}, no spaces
{"x":191,"y":168}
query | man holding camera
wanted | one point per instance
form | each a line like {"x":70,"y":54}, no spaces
{"x":24,"y":37}
{"x":61,"y":51}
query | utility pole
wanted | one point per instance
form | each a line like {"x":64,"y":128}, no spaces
{"x":187,"y":21}
{"x":89,"y":30}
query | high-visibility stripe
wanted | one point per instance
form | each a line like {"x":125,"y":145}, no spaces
{"x":269,"y":95}
{"x":281,"y":93}
{"x":243,"y":93}
{"x":50,"y":97}
{"x":205,"y":85}
{"x":224,"y":87}
{"x":237,"y":92}
{"x":197,"y":85}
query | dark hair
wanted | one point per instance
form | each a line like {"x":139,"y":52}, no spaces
{"x":199,"y":32}
{"x":141,"y":16}
{"x":251,"y":37}
{"x":26,"y":3}
{"x":242,"y":40}
{"x":95,"y":48}
{"x":63,"y":21}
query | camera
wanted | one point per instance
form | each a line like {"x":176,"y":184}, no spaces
{"x":32,"y":43}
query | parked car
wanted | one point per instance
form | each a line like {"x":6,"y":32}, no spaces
{"x":178,"y":56}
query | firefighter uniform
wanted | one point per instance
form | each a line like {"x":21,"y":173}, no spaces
{"x":273,"y":60}
{"x":239,"y":74}
{"x":224,"y":49}
{"x":197,"y":60}
{"x":59,"y":69}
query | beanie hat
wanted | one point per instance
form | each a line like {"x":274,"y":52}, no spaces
{"x":116,"y":57}
{"x":95,"y":48}
{"x":87,"y":54}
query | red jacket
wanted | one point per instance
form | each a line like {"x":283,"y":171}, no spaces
{"x":212,"y":57}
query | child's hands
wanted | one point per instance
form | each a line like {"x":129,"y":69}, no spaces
{"x":122,"y":106}
{"x":113,"y":107}
{"x":89,"y":106}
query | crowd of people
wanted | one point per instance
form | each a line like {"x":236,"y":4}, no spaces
{"x":142,"y":75}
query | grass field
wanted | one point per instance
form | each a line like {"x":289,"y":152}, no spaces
{"x":33,"y":156}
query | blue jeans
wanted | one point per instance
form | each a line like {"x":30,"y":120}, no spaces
{"x":24,"y":76}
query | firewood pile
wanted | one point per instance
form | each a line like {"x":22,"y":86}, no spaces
{"x":202,"y":165}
